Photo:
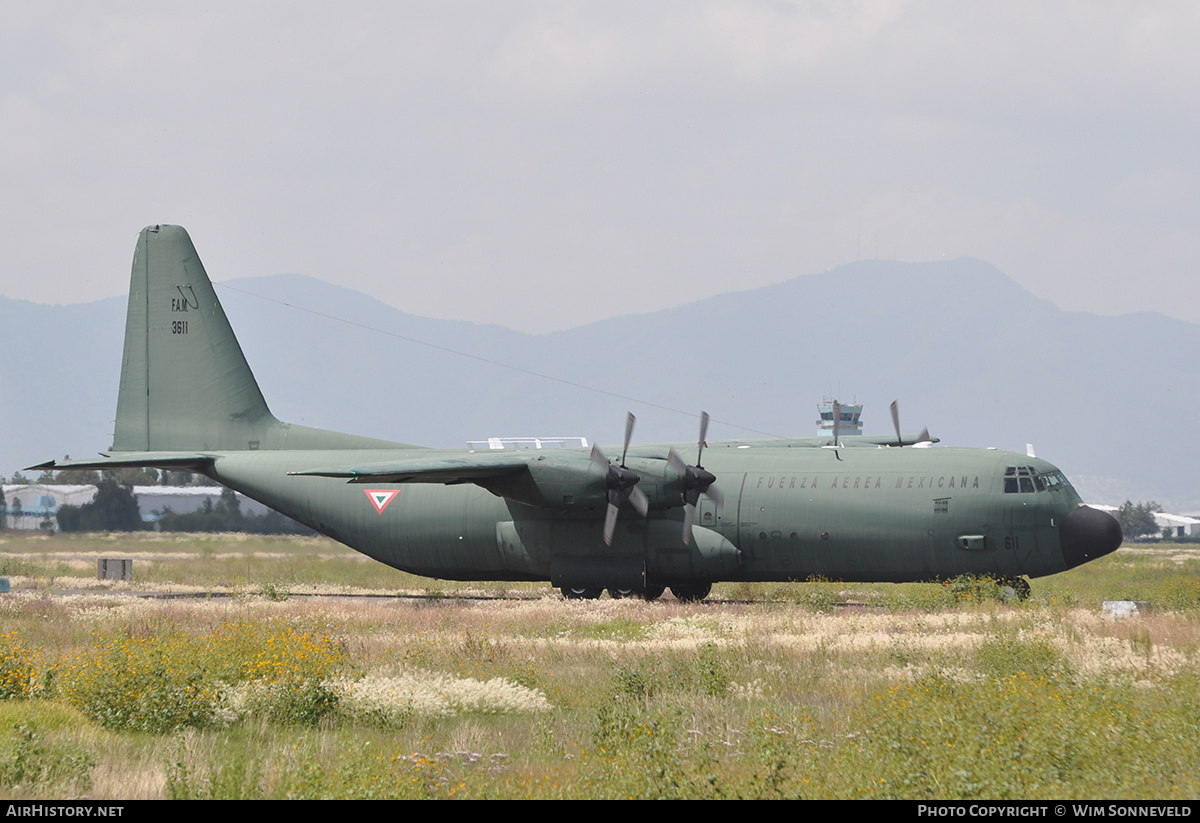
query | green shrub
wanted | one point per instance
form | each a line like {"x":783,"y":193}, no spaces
{"x":35,"y":766}
{"x":173,"y":680}
{"x":17,"y":667}
{"x":143,"y":684}
{"x":818,"y":594}
{"x":1019,"y":736}
{"x":636,"y":680}
{"x":968,"y":588}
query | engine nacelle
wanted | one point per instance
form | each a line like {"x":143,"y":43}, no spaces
{"x":570,"y":484}
{"x":563,"y":484}
{"x":663,"y":485}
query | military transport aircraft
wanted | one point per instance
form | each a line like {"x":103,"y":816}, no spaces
{"x":855,"y":509}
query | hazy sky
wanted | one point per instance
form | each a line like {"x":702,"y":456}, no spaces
{"x":545,"y":164}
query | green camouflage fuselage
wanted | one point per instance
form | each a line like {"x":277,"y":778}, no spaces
{"x":870,"y":510}
{"x":879,"y":514}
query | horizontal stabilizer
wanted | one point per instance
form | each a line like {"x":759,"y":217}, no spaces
{"x":175,"y":461}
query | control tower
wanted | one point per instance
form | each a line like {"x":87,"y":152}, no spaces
{"x":848,"y":425}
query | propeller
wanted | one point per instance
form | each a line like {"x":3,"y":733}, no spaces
{"x":837,"y":424}
{"x":622,"y":484}
{"x":923,"y":437}
{"x":696,"y":481}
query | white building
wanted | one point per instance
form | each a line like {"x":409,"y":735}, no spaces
{"x":154,"y":500}
{"x":1179,"y":525}
{"x":35,"y":506}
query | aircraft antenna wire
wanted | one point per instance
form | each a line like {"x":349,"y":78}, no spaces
{"x":489,"y":361}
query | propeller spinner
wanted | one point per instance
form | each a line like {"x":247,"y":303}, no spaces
{"x":696,"y":481}
{"x":622,"y":484}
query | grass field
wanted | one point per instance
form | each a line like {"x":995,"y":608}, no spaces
{"x":251,"y":688}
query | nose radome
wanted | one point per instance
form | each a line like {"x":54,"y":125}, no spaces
{"x":1088,"y":533}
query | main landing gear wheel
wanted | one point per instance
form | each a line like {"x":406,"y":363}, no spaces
{"x":648,"y":594}
{"x":690,"y":592}
{"x":580,"y":592}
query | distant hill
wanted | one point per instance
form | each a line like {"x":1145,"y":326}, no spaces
{"x":966,"y":350}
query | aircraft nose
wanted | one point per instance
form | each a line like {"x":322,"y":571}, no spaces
{"x":1088,"y":533}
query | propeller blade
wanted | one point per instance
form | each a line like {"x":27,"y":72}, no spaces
{"x":622,"y":484}
{"x":610,"y":516}
{"x":676,"y":462}
{"x":629,"y":421}
{"x":923,"y":439}
{"x":837,"y":422}
{"x":696,"y":480}
{"x":599,"y":458}
{"x":638,"y":498}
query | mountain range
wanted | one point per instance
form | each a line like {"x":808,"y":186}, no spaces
{"x":966,"y":350}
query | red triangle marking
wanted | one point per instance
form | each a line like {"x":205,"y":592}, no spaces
{"x":380,"y":498}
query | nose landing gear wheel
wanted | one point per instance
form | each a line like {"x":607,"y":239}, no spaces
{"x":1019,"y":585}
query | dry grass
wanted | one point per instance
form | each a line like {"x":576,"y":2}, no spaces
{"x":533,"y":696}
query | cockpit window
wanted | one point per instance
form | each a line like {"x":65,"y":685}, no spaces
{"x":1028,"y":480}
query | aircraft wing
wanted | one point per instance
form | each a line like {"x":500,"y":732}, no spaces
{"x":848,"y":441}
{"x":888,"y":440}
{"x":446,"y":470}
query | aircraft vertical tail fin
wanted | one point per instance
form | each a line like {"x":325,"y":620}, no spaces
{"x":185,"y":384}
